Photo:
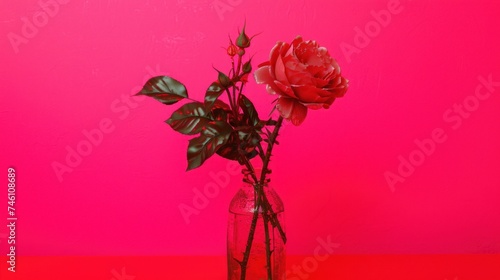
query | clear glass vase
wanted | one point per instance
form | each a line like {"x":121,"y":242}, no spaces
{"x":262,"y":262}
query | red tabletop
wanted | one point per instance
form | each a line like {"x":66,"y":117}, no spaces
{"x":383,"y":267}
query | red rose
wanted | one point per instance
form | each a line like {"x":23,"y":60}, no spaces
{"x":304,"y":75}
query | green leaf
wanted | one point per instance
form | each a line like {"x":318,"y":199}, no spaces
{"x":219,"y":104}
{"x":189,"y":119}
{"x":164,"y":89}
{"x":213,"y":136}
{"x":243,"y":141}
{"x":249,"y":113}
{"x":213,"y":92}
{"x":220,"y":111}
{"x":232,"y":151}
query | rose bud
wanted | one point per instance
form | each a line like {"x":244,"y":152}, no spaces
{"x":247,"y":67}
{"x":232,"y":50}
{"x":243,"y":40}
{"x":223,"y":79}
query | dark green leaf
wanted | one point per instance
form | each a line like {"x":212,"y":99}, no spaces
{"x":213,"y":92}
{"x":219,"y":104}
{"x":164,"y":89}
{"x":247,"y":138}
{"x":213,"y":136}
{"x":189,"y":119}
{"x":249,"y":112}
{"x":231,"y":151}
{"x":221,"y":111}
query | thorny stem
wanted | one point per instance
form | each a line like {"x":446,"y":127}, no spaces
{"x":266,"y":207}
{"x":268,"y":248}
{"x":239,"y":92}
{"x":237,"y":74}
{"x":239,"y":65}
{"x":272,"y":141}
{"x":261,"y":201}
{"x":261,"y":151}
{"x":265,"y":171}
{"x":244,"y":262}
{"x":233,"y":106}
{"x":234,"y":99}
{"x":253,"y":226}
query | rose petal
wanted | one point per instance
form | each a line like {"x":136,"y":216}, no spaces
{"x":292,"y":110}
{"x":263,"y":76}
{"x":296,"y":72}
{"x":299,"y":77}
{"x":340,"y":88}
{"x":284,"y":89}
{"x":313,"y":59}
{"x":310,"y":94}
{"x":295,"y":43}
{"x":316,"y":106}
{"x":267,"y":63}
{"x":320,"y":83}
{"x":316,"y":71}
{"x":270,"y":89}
{"x":279,"y":71}
{"x":275,"y":53}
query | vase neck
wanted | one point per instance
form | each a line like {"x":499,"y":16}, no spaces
{"x":247,"y":185}
{"x":249,"y":178}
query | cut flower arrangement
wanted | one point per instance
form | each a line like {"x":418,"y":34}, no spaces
{"x":302,"y":76}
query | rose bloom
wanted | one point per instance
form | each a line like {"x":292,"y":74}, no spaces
{"x":304,"y":75}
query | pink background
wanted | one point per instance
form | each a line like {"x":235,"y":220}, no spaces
{"x":124,"y":196}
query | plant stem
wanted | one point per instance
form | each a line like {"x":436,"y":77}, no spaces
{"x":272,"y":141}
{"x":253,"y":226}
{"x":239,"y":66}
{"x":239,"y":93}
{"x":274,"y":219}
{"x":236,"y":105}
{"x":268,"y":214}
{"x":268,"y":247}
{"x":267,"y":158}
{"x":246,"y":255}
{"x":261,"y":151}
{"x":231,"y":104}
{"x":236,"y":74}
